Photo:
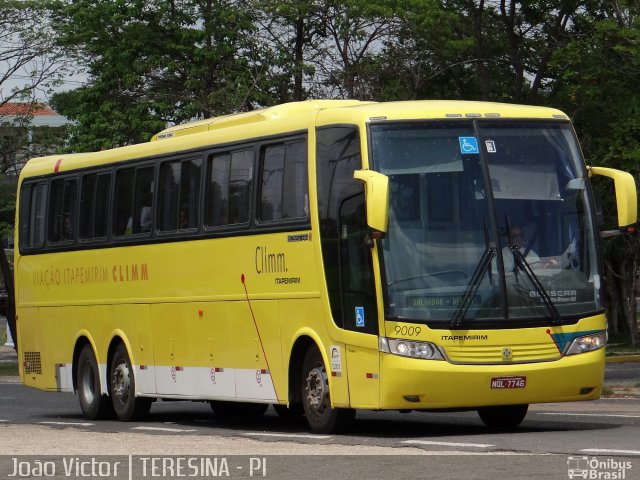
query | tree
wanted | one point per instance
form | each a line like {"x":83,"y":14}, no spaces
{"x":355,"y":32}
{"x":598,"y":73}
{"x":290,"y":29}
{"x":429,"y":55}
{"x":30,"y":65}
{"x":29,"y":59}
{"x":153,"y":63}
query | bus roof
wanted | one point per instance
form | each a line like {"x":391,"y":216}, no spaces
{"x":293,"y":116}
{"x":255,"y":116}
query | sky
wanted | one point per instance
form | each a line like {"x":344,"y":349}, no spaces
{"x":20,"y":79}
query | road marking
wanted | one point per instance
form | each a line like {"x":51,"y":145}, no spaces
{"x":73,"y":424}
{"x":590,"y":415}
{"x":288,"y":435}
{"x":448,"y":444}
{"x":606,"y":450}
{"x":164,"y":429}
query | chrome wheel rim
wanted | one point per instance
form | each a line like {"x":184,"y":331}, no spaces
{"x":121,"y":383}
{"x":316,"y":389}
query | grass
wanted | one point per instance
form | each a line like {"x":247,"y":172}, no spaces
{"x":606,"y":390}
{"x":621,"y":345}
{"x":9,"y":370}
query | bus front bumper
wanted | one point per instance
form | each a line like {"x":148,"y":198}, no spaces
{"x":416,"y":384}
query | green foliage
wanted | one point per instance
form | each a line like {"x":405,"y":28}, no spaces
{"x":9,"y":369}
{"x":598,"y":75}
{"x":8,"y":185}
{"x":153,"y":63}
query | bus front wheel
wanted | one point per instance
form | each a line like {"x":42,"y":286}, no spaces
{"x":94,"y":405}
{"x":122,"y":388}
{"x":316,"y":399}
{"x":504,"y":417}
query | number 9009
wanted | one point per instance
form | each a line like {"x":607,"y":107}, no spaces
{"x":407,"y":330}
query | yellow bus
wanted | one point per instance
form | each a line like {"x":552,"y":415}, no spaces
{"x":323,"y":257}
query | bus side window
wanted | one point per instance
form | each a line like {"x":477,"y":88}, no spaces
{"x":134,"y":201}
{"x":271,"y":183}
{"x":229,"y":188}
{"x":33,"y":205}
{"x":295,"y":195}
{"x":62,"y":211}
{"x":94,"y":206}
{"x":178,"y":206}
{"x":284,"y":186}
{"x":123,"y":211}
{"x":240,"y":179}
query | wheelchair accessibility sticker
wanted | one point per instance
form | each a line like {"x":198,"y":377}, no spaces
{"x":468,"y":145}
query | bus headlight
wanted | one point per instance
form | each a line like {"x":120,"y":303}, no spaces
{"x":588,"y":343}
{"x":410,"y":348}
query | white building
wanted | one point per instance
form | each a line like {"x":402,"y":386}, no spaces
{"x":27,"y":130}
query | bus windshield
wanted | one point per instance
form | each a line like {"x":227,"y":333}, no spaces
{"x":489,"y":221}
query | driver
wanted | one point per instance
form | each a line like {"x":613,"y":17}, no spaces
{"x":520,"y":241}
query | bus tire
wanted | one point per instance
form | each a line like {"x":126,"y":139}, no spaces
{"x":316,"y":398}
{"x":122,"y":388}
{"x":504,"y":417}
{"x":93,"y":404}
{"x":238,"y":409}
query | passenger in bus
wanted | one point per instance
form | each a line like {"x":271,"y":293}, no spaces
{"x":184,"y":219}
{"x":145,"y":219}
{"x":68,"y":229}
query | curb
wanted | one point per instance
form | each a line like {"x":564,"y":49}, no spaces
{"x":10,"y":380}
{"x":623,"y":359}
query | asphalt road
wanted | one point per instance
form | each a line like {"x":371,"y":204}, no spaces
{"x":552,"y":439}
{"x":598,"y":439}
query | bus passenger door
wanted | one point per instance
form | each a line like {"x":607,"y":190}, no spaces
{"x":359,"y":308}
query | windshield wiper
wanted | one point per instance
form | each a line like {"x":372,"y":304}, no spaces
{"x":474,"y":284}
{"x":522,"y":264}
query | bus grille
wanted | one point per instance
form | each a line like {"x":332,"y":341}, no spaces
{"x":32,"y":363}
{"x":494,"y":354}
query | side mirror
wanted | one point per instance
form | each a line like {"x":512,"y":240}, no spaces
{"x":377,"y":198}
{"x":626,"y":197}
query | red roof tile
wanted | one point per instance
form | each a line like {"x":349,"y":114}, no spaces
{"x":14,"y":109}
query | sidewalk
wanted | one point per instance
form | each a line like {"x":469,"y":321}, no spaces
{"x":8,"y":355}
{"x":623,"y":358}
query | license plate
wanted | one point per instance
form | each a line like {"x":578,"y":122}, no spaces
{"x":508,"y":382}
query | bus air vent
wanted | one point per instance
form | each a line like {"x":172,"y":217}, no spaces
{"x":32,"y":363}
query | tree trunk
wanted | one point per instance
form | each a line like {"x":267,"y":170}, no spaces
{"x":621,"y":281}
{"x":612,"y":296}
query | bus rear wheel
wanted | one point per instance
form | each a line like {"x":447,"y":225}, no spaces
{"x":93,"y":404}
{"x":504,"y":417}
{"x":316,"y":398}
{"x":122,"y":388}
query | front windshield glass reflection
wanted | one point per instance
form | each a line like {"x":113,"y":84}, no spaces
{"x":450,"y":235}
